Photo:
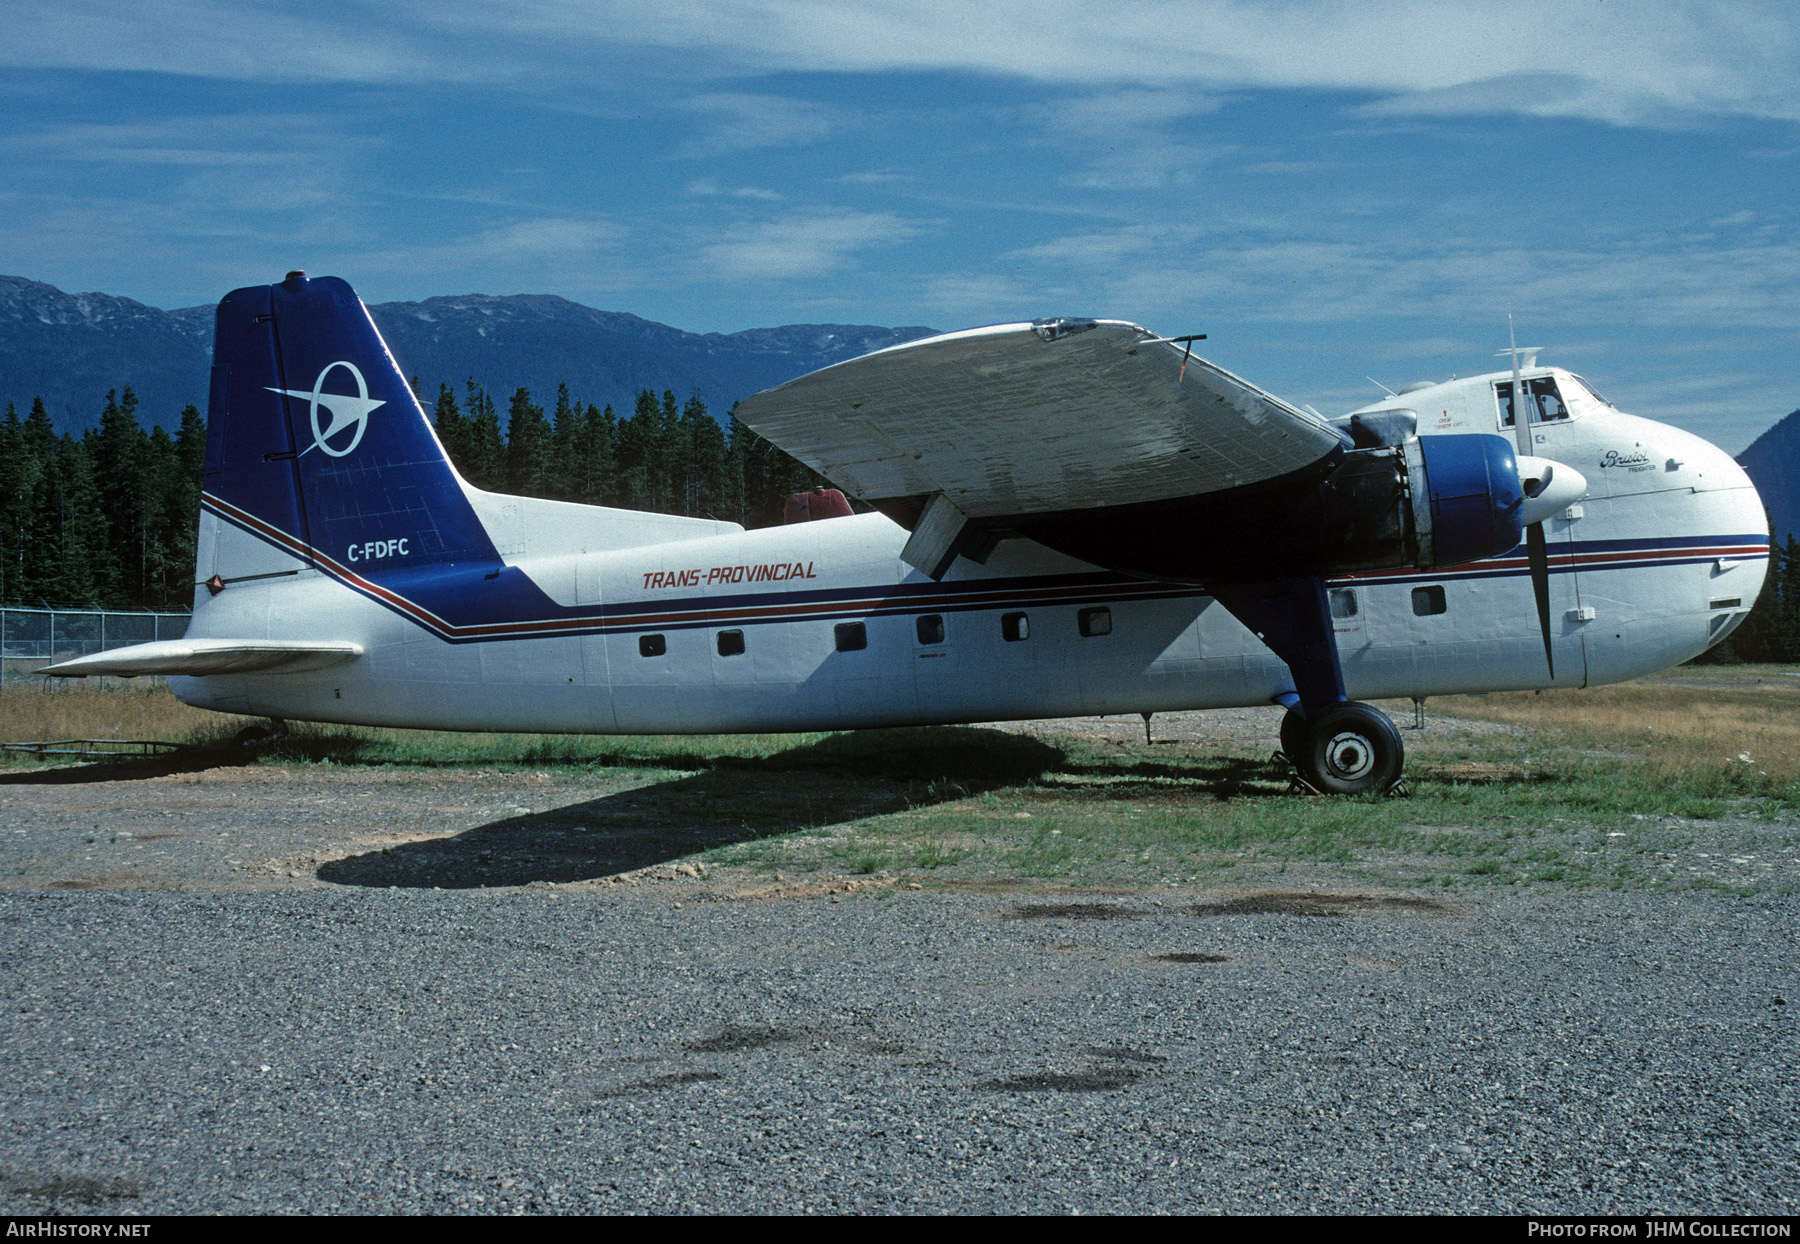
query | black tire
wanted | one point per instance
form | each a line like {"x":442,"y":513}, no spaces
{"x":1352,"y":749}
{"x":1293,"y":736}
{"x":260,"y":736}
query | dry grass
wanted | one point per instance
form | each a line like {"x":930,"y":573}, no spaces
{"x":1691,"y":718}
{"x":119,"y":711}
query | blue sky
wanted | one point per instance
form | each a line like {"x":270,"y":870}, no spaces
{"x":1329,"y":190}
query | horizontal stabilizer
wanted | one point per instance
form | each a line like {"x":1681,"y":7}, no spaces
{"x":209,"y":656}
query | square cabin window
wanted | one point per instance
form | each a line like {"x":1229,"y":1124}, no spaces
{"x":731,"y":643}
{"x":852,"y":636}
{"x":1014,"y":627}
{"x":652,"y":645}
{"x":1343,"y":602}
{"x":1094,"y":622}
{"x":1428,"y":600}
{"x":930,"y":628}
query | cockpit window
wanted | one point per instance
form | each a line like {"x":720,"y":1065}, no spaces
{"x":1541,"y":398}
{"x":1593,"y":392}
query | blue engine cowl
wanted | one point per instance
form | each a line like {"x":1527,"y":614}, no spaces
{"x":1472,"y":500}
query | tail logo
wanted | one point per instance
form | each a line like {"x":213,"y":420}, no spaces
{"x":344,"y":410}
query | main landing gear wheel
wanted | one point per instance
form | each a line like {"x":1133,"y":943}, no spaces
{"x":1349,"y":749}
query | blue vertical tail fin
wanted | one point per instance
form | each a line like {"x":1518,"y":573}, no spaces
{"x":316,"y":443}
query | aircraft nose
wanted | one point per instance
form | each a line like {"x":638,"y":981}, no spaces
{"x":1549,"y":487}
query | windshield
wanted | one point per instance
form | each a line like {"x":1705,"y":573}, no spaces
{"x":1591,"y":391}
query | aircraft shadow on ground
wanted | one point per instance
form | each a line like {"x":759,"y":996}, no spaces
{"x":132,"y":768}
{"x":1215,"y":777}
{"x":815,"y":788}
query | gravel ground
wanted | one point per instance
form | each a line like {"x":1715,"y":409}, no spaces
{"x":196,"y":1019}
{"x":526,"y":1050}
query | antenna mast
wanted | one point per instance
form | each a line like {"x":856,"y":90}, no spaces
{"x":1521,"y":424}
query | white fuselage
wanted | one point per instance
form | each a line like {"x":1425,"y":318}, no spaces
{"x":1662,"y":557}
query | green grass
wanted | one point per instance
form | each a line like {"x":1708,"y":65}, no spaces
{"x":1618,"y":793}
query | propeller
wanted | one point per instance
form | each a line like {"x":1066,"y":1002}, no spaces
{"x":1549,"y":488}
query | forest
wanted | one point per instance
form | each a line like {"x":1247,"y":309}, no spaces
{"x":108,"y":518}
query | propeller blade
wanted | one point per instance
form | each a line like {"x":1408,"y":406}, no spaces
{"x":1538,"y":548}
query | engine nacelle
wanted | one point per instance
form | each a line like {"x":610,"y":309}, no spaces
{"x":1429,"y":501}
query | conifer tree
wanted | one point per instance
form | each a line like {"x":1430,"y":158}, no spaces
{"x":486,"y":465}
{"x":528,"y":442}
{"x":19,"y":469}
{"x":181,"y":504}
{"x":452,"y":428}
{"x":593,"y":477}
{"x":116,"y":460}
{"x":707,"y":466}
{"x":637,"y":457}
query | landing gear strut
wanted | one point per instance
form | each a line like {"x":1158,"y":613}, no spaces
{"x":1339,"y":746}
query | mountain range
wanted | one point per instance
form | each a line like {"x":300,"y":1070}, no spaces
{"x":70,"y":349}
{"x":1773,"y":464}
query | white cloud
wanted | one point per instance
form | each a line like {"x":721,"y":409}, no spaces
{"x":1128,"y":129}
{"x":257,"y":162}
{"x":799,"y":245}
{"x":707,"y":188}
{"x":876,"y":178}
{"x":554,"y":239}
{"x":1126,"y":112}
{"x":740,"y":122}
{"x":1638,"y":63}
{"x":249,"y":40}
{"x":1107,"y":249}
{"x":1295,"y":274}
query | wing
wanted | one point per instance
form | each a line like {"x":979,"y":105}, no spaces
{"x":209,"y":656}
{"x":1031,"y":419}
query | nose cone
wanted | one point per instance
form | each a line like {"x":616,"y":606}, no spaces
{"x":1550,"y":487}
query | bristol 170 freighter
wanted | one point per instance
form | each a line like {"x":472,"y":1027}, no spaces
{"x":1066,"y":517}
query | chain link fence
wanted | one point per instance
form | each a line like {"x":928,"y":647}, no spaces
{"x":33,"y":638}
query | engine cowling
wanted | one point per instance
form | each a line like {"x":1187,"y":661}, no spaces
{"x":1429,"y":501}
{"x":1473,"y":500}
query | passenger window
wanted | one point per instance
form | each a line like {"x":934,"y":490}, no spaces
{"x":731,"y":643}
{"x":1343,"y":602}
{"x":1094,"y":622}
{"x":852,"y":636}
{"x":1014,"y":627}
{"x":1542,"y":400}
{"x":652,"y":645}
{"x":930,"y":628}
{"x":1428,"y":600}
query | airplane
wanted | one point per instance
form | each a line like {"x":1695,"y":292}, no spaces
{"x":1067,"y":517}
